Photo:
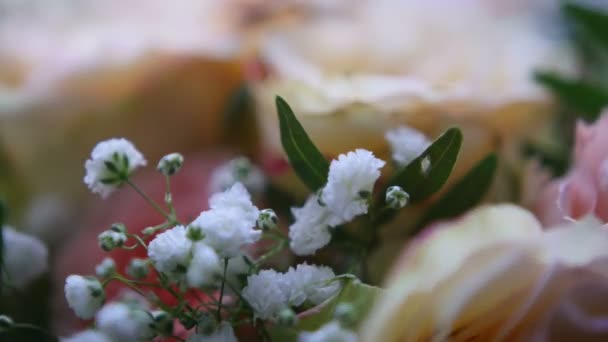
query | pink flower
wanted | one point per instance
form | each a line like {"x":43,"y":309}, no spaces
{"x":584,"y":190}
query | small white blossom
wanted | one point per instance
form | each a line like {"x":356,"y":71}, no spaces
{"x":406,"y":144}
{"x":350,"y":183}
{"x":138,"y":268}
{"x":25,"y":257}
{"x":310,"y":230}
{"x":112,"y":162}
{"x":224,"y":333}
{"x":109,"y":239}
{"x":170,"y":250}
{"x":205,"y":266}
{"x":231,"y":221}
{"x":396,"y":197}
{"x":105,"y":268}
{"x":330,"y":332}
{"x":425,"y":165}
{"x":124,"y":323}
{"x":310,"y":282}
{"x":170,"y":164}
{"x":266,"y":293}
{"x":87,"y":336}
{"x":84,"y":295}
{"x":238,"y":170}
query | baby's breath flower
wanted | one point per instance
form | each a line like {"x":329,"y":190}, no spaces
{"x":105,"y":268}
{"x":87,"y":336}
{"x":396,"y":197}
{"x":310,"y":230}
{"x":85,"y":295}
{"x":170,"y":250}
{"x":238,"y":170}
{"x":287,"y":318}
{"x":266,"y":293}
{"x":311,"y":283}
{"x":119,"y":228}
{"x":25,"y":257}
{"x":406,"y":144}
{"x":124,"y":323}
{"x":230,"y":222}
{"x":138,"y":268}
{"x":350,"y":183}
{"x":225,"y":333}
{"x":170,"y":164}
{"x":112,"y":162}
{"x":109,"y":239}
{"x":204,"y":268}
{"x":330,"y":332}
{"x":268,"y":220}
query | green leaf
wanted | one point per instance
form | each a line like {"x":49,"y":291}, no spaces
{"x":465,"y":194}
{"x":587,"y":99}
{"x":591,"y":21}
{"x":354,"y":292}
{"x":308,"y":163}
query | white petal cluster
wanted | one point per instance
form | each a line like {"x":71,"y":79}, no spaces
{"x":224,"y":333}
{"x":124,"y":323}
{"x":87,"y":336}
{"x":205,"y":267}
{"x":310,"y":231}
{"x":269,"y":292}
{"x":349,"y":184}
{"x":230,"y":222}
{"x":330,"y":332}
{"x":125,"y":157}
{"x":25,"y":257}
{"x":105,"y":268}
{"x":238,"y":170}
{"x":84,"y":295}
{"x":406,"y":144}
{"x":170,"y":250}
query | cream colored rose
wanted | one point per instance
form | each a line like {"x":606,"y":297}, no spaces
{"x":355,"y":71}
{"x":495,"y":275}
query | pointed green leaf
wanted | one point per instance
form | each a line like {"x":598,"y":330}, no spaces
{"x":592,"y":22}
{"x":586,"y":99}
{"x":354,"y":292}
{"x":465,"y":194}
{"x":308,"y":163}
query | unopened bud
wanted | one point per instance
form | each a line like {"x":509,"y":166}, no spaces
{"x":148,"y":231}
{"x":170,"y":164}
{"x":287,"y":318}
{"x":110,"y":239}
{"x":106,"y":268}
{"x":396,"y":197}
{"x":194,"y":233}
{"x":163,"y":322}
{"x":138,"y":268}
{"x":268,"y":220}
{"x":119,"y":228}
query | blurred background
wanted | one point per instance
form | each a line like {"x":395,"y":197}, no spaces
{"x":199,"y":77}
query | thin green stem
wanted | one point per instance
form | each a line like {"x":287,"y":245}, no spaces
{"x":219,"y":307}
{"x":151,"y":201}
{"x":271,"y":253}
{"x":139,"y":240}
{"x":169,"y":197}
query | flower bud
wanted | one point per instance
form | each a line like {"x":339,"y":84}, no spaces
{"x":194,"y":233}
{"x":287,"y":318}
{"x":106,"y":268}
{"x":109,"y":240}
{"x":170,"y":164}
{"x":425,"y":165}
{"x":268,"y":220}
{"x":396,"y":197}
{"x":138,"y":268}
{"x":148,"y":231}
{"x":163,"y":322}
{"x":5,"y":322}
{"x":346,"y":314}
{"x":119,"y":228}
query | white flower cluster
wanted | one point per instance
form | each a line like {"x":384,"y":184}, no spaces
{"x":25,"y":257}
{"x":269,"y":292}
{"x":85,"y":295}
{"x":112,"y":162}
{"x":346,"y":195}
{"x":330,"y":332}
{"x":406,"y":144}
{"x":238,"y":170}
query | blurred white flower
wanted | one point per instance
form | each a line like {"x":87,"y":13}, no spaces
{"x":349,"y":185}
{"x":310,"y":231}
{"x":124,"y":323}
{"x":231,"y":221}
{"x":330,"y":332}
{"x":112,"y":162}
{"x":310,"y":283}
{"x":266,"y":294}
{"x":87,"y":336}
{"x":238,"y":170}
{"x":406,"y":144}
{"x":109,"y":239}
{"x":169,"y":164}
{"x":25,"y":257}
{"x":84,"y":295}
{"x":224,"y":333}
{"x":205,"y":267}
{"x":105,"y":268}
{"x":170,"y":250}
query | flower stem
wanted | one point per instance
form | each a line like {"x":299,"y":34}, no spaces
{"x":151,"y":202}
{"x":219,"y":306}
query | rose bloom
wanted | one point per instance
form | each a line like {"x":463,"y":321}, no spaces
{"x":584,"y":190}
{"x":496,"y":275}
{"x":351,"y":72}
